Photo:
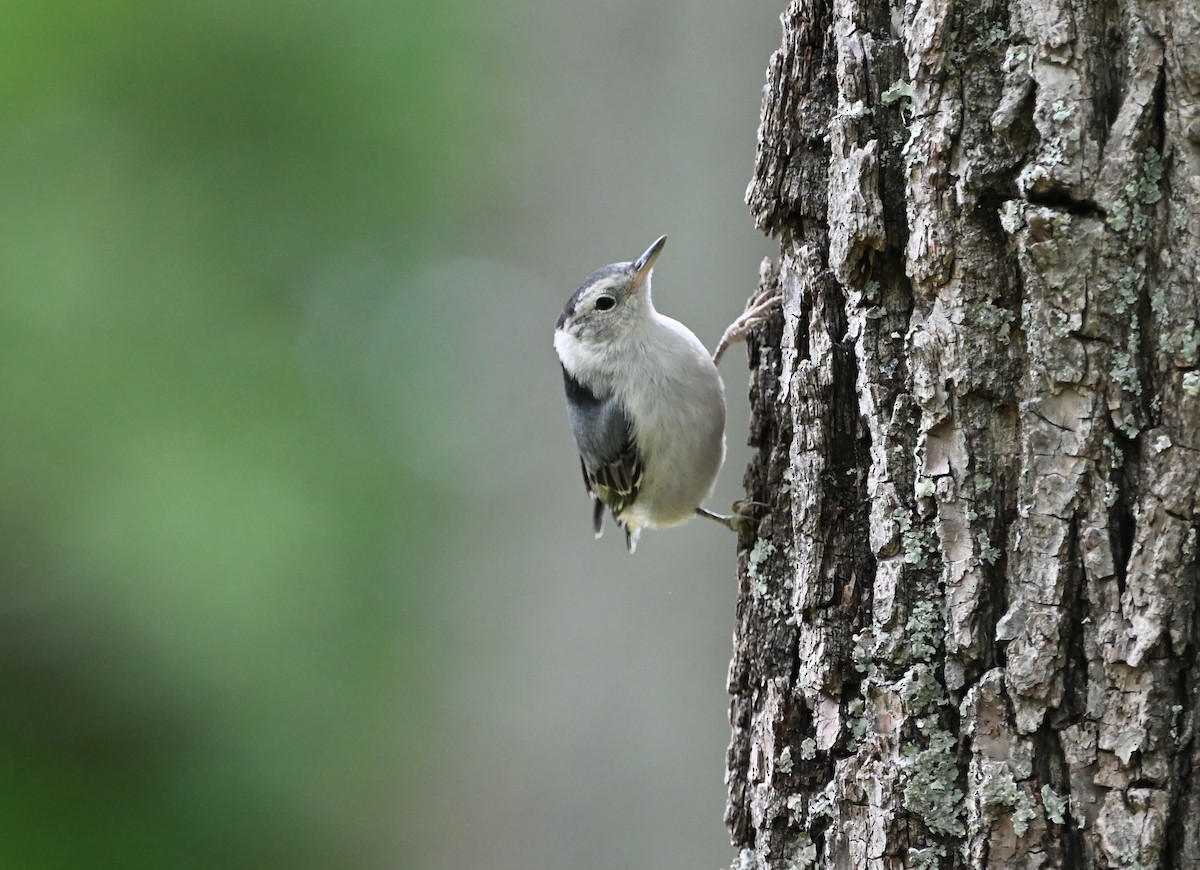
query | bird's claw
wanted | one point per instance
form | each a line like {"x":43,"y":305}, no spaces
{"x":758,"y":310}
{"x":742,"y":516}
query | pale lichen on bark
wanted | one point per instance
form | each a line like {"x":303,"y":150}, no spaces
{"x":972,"y":638}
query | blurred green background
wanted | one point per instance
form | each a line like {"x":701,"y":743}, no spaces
{"x":296,"y":562}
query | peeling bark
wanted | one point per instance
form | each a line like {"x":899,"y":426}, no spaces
{"x":967,"y":627}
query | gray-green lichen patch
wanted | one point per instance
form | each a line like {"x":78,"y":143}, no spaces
{"x":926,"y":857}
{"x":857,"y":721}
{"x":1148,"y":189}
{"x":924,"y":628}
{"x":921,"y":691}
{"x":1131,"y":208}
{"x":931,"y":781}
{"x":997,"y":796}
{"x":762,"y":550}
{"x":899,"y":90}
{"x":919,"y":543}
{"x":1125,"y":284}
{"x":861,"y":652}
{"x":1055,"y":804}
{"x":1126,"y":376}
{"x":987,"y":552}
{"x":823,"y":804}
{"x":767,"y":590}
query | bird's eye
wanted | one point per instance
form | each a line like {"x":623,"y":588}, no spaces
{"x":604,"y":303}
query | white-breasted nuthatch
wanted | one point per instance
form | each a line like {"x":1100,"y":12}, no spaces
{"x":645,"y":402}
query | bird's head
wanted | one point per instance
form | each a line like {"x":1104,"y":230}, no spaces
{"x":612,"y":302}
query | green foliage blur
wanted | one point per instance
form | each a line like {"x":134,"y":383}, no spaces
{"x":213,"y":645}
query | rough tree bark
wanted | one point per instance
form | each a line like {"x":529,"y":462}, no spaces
{"x":967,"y":627}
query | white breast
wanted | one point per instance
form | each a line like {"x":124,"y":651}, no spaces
{"x":677,"y":401}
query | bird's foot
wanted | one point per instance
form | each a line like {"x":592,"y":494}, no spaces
{"x":741,"y":518}
{"x":758,"y":310}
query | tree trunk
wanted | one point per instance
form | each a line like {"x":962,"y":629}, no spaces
{"x":967,"y":626}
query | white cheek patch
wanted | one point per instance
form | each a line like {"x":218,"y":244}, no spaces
{"x":567,"y":348}
{"x":571,"y":351}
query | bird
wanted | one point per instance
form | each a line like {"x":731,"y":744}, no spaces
{"x":645,"y":401}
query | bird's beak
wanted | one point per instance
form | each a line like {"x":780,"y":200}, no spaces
{"x":643,"y":264}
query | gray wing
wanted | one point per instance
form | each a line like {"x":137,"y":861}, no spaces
{"x":608,"y":453}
